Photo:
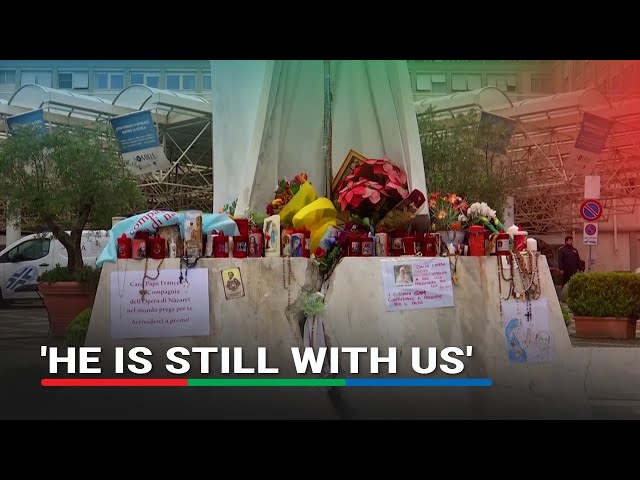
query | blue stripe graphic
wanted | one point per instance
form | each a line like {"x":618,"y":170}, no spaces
{"x":419,"y":382}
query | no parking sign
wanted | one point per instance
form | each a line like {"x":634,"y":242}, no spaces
{"x":590,"y":233}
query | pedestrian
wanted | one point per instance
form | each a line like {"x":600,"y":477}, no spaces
{"x":568,"y":260}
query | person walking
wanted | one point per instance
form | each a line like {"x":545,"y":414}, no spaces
{"x":568,"y":260}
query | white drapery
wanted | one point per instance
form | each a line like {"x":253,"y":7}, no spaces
{"x":268,"y":123}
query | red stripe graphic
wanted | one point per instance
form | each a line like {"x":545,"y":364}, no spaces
{"x":114,"y":382}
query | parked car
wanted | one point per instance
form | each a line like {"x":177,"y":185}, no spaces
{"x":22,"y":262}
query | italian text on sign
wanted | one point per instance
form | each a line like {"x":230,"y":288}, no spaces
{"x":590,"y":234}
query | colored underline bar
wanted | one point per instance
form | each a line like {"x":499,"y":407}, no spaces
{"x":419,"y":382}
{"x":266,"y":382}
{"x":114,"y":382}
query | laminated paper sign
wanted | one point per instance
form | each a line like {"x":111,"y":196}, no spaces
{"x":139,"y":142}
{"x":160,"y":307}
{"x":415,"y":284}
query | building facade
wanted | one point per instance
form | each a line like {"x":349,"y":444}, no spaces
{"x":616,"y":79}
{"x":520,"y":79}
{"x":106,"y":78}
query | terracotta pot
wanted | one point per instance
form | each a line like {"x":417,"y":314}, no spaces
{"x":64,"y":301}
{"x":605,"y":327}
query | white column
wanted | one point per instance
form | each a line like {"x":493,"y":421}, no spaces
{"x":509,"y":213}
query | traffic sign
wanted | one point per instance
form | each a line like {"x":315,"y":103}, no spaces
{"x":591,"y":210}
{"x":590,"y":233}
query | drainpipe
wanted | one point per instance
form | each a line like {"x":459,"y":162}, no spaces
{"x":615,"y":229}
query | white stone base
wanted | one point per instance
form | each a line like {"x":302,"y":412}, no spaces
{"x":355,"y":316}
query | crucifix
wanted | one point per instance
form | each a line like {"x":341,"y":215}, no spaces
{"x":528,"y":315}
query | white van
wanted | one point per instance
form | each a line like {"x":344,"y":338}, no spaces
{"x":23,"y":261}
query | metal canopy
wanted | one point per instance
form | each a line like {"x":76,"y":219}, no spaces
{"x":542,"y":147}
{"x":183,"y":122}
{"x":184,"y":125}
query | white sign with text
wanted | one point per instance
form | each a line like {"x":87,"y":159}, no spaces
{"x":167,"y":308}
{"x":414,"y":284}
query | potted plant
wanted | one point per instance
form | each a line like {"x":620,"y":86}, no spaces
{"x":448,"y":214}
{"x":65,"y":180}
{"x":76,"y":332}
{"x":605,"y":304}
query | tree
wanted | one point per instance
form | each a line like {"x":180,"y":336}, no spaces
{"x":65,"y":180}
{"x":460,"y":156}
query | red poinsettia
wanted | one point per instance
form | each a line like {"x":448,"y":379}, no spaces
{"x":381,"y":171}
{"x":355,"y":192}
{"x":396,"y":190}
{"x":319,"y":252}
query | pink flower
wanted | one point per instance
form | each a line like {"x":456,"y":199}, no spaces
{"x":356,"y":192}
{"x":396,"y":189}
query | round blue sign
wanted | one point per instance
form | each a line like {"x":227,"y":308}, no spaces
{"x":591,"y":210}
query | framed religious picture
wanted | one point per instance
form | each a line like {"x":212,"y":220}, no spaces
{"x":350,"y":163}
{"x":232,"y":283}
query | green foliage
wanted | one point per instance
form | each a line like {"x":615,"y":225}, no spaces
{"x":331,"y":259}
{"x":85,"y":275}
{"x":65,"y":180}
{"x":256,"y":219}
{"x":313,"y":304}
{"x":605,"y":294}
{"x":453,"y":163}
{"x":566,"y":314}
{"x":230,"y":208}
{"x":76,"y":332}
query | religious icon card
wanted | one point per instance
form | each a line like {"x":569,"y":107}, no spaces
{"x":232,"y":283}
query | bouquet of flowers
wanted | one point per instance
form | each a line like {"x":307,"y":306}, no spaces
{"x":284,"y":193}
{"x":373,"y":189}
{"x":447,"y":211}
{"x":481,"y":214}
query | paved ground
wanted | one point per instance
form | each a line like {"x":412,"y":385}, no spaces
{"x":25,"y":325}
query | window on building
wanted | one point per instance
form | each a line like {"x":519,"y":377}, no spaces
{"x":42,"y":78}
{"x":7,"y":80}
{"x":206,"y":81}
{"x":150,"y":79}
{"x":433,"y":82}
{"x":506,"y":83}
{"x":181,"y":81}
{"x":109,"y":81}
{"x":541,"y":83}
{"x":73,"y":80}
{"x":464,"y":83}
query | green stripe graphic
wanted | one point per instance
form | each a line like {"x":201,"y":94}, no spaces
{"x":266,"y":382}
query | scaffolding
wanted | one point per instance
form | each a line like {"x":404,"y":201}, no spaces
{"x":542,"y":147}
{"x":183,"y":123}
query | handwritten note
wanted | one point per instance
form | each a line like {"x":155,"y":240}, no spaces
{"x":415,"y":284}
{"x":168,"y":308}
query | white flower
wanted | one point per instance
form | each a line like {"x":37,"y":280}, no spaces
{"x":492,"y":214}
{"x":462,"y":218}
